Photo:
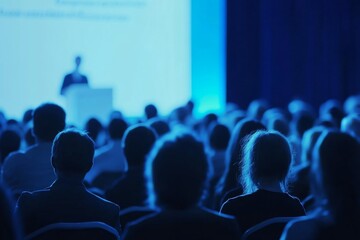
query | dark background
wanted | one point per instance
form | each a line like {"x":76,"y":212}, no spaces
{"x":285,"y":49}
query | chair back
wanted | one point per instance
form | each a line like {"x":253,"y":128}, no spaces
{"x":77,"y":230}
{"x":269,"y":229}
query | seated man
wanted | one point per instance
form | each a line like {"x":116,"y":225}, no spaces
{"x":177,"y":170}
{"x":31,"y":170}
{"x":67,"y":199}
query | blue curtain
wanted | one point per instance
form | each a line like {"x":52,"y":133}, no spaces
{"x":285,"y":49}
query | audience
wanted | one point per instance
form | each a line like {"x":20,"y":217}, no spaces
{"x":351,"y":125}
{"x":10,"y":141}
{"x":109,"y":162}
{"x":131,"y":190}
{"x":300,"y":182}
{"x":161,"y":127}
{"x":9,"y":224}
{"x":335,"y":185}
{"x":229,"y":184}
{"x":177,"y":170}
{"x":166,"y":172}
{"x":67,"y":199}
{"x":95,"y":128}
{"x":31,"y":170}
{"x":266,"y":163}
{"x":150,"y":111}
{"x":219,"y":136}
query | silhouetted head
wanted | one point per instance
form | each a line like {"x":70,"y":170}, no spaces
{"x":352,"y":104}
{"x":302,"y":121}
{"x":27,"y":117}
{"x":209,"y":119}
{"x":177,"y":169}
{"x":93,"y":127}
{"x":190,"y":106}
{"x":335,"y":174}
{"x":298,"y":105}
{"x":309,"y":140}
{"x":150,"y":111}
{"x":48,"y":120}
{"x":351,"y":125}
{"x":257,"y":108}
{"x":219,"y":137}
{"x":137,"y":143}
{"x":234,"y":153}
{"x":161,"y":127}
{"x":72,"y":153}
{"x":116,"y":128}
{"x":279,"y":124}
{"x":267,"y":158}
{"x":77,"y":61}
{"x":332,"y":110}
{"x":10,"y":141}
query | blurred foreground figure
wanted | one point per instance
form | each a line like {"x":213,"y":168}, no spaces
{"x":177,"y":170}
{"x":67,"y":199}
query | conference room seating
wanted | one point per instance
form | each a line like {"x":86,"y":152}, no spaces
{"x":269,"y":229}
{"x":75,"y":231}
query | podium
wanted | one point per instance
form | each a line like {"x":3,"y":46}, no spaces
{"x":83,"y":102}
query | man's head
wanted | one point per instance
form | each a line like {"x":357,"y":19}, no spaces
{"x":116,"y":128}
{"x":49,"y":120}
{"x":137,"y":143}
{"x":72,"y":152}
{"x":177,"y":170}
{"x":77,"y":61}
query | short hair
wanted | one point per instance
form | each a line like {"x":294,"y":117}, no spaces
{"x":10,"y":141}
{"x":177,"y":170}
{"x":150,"y":111}
{"x":303,"y":121}
{"x":351,"y":125}
{"x":267,"y":156}
{"x":308,"y":142}
{"x":117,"y":127}
{"x":137,"y":143}
{"x":48,"y":120}
{"x":219,"y":136}
{"x":93,"y":127}
{"x":72,"y":152}
{"x":160,"y":126}
{"x":336,"y":172}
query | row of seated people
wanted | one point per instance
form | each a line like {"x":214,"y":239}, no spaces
{"x":246,"y":177}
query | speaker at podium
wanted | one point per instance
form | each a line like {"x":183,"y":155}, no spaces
{"x":83,"y":102}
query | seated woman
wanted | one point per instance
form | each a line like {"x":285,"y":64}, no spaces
{"x":335,"y":184}
{"x":266,"y":163}
{"x":177,"y":172}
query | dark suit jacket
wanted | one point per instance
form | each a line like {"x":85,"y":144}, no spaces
{"x":64,"y":201}
{"x":130,"y":190}
{"x":196,"y":223}
{"x":69,"y":80}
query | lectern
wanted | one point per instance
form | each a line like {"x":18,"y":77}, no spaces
{"x":83,"y":102}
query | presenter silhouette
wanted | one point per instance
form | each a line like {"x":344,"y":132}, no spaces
{"x":74,"y":77}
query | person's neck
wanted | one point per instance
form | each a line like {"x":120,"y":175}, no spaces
{"x":69,"y":177}
{"x":272,"y":186}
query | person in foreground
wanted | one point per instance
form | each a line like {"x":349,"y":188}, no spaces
{"x":266,"y":163}
{"x":31,"y":170}
{"x":67,"y":199}
{"x":177,"y":170}
{"x":335,"y":184}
